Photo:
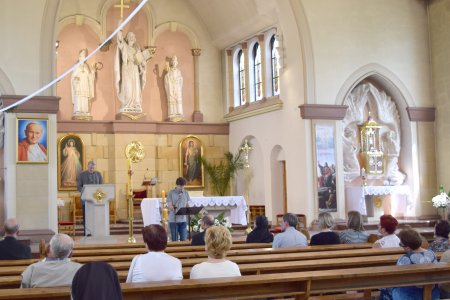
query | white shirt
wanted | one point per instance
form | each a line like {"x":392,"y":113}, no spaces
{"x":35,"y":153}
{"x":154,"y":266}
{"x":215,"y":270}
{"x":388,"y":241}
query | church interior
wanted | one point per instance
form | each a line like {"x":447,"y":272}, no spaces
{"x":333,"y":105}
{"x":296,"y":79}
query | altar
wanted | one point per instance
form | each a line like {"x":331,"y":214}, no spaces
{"x":234,"y":207}
{"x":374,"y":201}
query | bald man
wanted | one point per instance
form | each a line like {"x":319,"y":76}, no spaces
{"x":29,"y":148}
{"x":10,"y":247}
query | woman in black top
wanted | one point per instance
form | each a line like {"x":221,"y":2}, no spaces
{"x":260,"y":233}
{"x":326,"y":236}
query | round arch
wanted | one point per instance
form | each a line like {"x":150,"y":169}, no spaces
{"x":77,"y":19}
{"x":174,"y":27}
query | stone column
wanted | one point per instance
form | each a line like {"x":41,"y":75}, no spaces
{"x":247,"y":77}
{"x":197,"y":116}
{"x":263,"y":64}
{"x":230,"y":81}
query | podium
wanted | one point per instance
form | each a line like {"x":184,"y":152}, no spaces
{"x":189,"y":211}
{"x":96,"y":198}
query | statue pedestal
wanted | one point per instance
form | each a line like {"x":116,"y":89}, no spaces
{"x":129,"y":116}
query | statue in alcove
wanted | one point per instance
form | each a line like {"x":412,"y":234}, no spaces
{"x":173,"y":83}
{"x":82,"y":87}
{"x":351,"y":150}
{"x":130,"y":69}
{"x":391,"y":149}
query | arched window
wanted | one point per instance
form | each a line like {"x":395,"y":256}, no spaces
{"x":241,"y":62}
{"x":275,"y":57}
{"x":257,"y":72}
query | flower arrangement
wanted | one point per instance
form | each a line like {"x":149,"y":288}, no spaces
{"x":440,"y":201}
{"x":219,"y":220}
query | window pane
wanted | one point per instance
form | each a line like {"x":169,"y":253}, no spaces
{"x":241,"y":78}
{"x":275,"y":66}
{"x":257,"y":72}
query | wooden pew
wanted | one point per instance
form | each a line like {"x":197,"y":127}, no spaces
{"x":298,"y":284}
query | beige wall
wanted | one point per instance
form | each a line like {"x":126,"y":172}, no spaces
{"x":439,"y":13}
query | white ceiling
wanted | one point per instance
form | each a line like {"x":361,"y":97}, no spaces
{"x":230,"y":21}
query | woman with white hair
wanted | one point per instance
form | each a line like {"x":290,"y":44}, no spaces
{"x":326,"y":235}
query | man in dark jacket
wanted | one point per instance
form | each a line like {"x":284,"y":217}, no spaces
{"x":10,"y":247}
{"x":199,"y":238}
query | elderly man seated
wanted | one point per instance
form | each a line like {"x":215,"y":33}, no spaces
{"x":10,"y":247}
{"x":290,"y":236}
{"x":56,"y":269}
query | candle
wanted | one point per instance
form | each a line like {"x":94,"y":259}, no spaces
{"x":363,"y":172}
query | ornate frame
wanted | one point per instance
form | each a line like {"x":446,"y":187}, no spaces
{"x":199,"y":180}
{"x":79,"y":145}
{"x":20,"y":133}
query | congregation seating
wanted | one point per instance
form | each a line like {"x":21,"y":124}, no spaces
{"x":299,"y":285}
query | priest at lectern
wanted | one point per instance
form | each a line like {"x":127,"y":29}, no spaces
{"x":90,"y":176}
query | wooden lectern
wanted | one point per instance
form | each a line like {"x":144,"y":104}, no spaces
{"x":97,"y":197}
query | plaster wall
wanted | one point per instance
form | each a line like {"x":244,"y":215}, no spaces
{"x":20,"y":29}
{"x":439,"y":12}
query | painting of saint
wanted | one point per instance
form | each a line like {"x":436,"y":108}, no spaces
{"x":191,"y":167}
{"x":70,"y":161}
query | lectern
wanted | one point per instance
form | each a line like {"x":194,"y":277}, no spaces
{"x":97,"y":197}
{"x":189,"y":211}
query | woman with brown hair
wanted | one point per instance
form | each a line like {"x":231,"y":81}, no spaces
{"x":355,"y":232}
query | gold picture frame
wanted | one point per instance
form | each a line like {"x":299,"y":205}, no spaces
{"x":191,"y":168}
{"x":71,"y":161}
{"x":32,"y":141}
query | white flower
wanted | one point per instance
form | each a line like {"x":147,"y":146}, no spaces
{"x":216,"y":222}
{"x":441,"y":200}
{"x":195,"y":228}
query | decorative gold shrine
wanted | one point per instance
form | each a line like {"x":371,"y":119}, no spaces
{"x":371,"y":156}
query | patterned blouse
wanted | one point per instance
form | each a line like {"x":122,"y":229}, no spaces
{"x":440,"y":244}
{"x":351,"y":236}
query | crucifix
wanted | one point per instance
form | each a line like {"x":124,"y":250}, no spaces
{"x":121,"y":6}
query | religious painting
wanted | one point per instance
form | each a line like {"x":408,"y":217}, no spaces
{"x":326,"y":167}
{"x":191,"y":168}
{"x":32,"y":141}
{"x":70,"y":161}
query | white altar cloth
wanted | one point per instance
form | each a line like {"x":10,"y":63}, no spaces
{"x":237,"y":214}
{"x":150,"y":211}
{"x":401,"y":203}
{"x":238,"y":208}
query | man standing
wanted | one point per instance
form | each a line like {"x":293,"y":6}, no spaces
{"x":56,"y":269}
{"x":199,"y":239}
{"x":290,"y":237}
{"x":88,"y":177}
{"x":29,"y":148}
{"x":177,"y":198}
{"x":10,"y":247}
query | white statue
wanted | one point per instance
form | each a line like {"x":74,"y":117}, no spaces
{"x":173,"y":83}
{"x":391,"y":150}
{"x":83,"y":78}
{"x":350,"y":150}
{"x":130,"y":72}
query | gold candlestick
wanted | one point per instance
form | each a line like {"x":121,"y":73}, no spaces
{"x":164,"y":213}
{"x":246,"y":149}
{"x":134,"y":153}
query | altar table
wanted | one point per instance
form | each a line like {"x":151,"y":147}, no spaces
{"x":150,"y":208}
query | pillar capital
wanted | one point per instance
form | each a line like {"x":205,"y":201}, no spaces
{"x":196,"y":52}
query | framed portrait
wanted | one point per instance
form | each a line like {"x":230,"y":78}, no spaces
{"x":191,"y":168}
{"x":71,"y":161}
{"x":32,"y":141}
{"x":326,"y":167}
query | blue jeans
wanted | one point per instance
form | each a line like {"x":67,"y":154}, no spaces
{"x":178,"y":229}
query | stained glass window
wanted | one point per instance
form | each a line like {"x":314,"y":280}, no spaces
{"x":275,"y":56}
{"x":257,"y":71}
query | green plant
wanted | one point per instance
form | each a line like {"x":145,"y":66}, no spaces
{"x":221,"y":174}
